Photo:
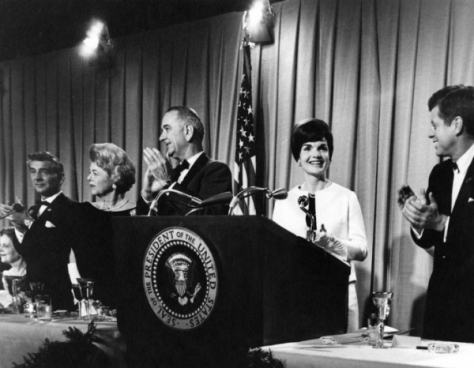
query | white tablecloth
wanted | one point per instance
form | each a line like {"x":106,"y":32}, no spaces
{"x":301,"y":355}
{"x":20,"y":336}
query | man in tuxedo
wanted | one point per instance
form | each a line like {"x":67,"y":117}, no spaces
{"x":196,"y":174}
{"x":443,"y":217}
{"x":54,"y":227}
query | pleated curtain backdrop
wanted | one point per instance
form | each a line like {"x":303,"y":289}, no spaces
{"x":366,"y":67}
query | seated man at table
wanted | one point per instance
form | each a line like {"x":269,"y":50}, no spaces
{"x":56,"y":226}
{"x":196,"y":174}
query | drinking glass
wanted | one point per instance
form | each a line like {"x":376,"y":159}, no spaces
{"x":29,"y":308}
{"x":373,"y":330}
{"x":84,"y":290}
{"x":36,"y":290}
{"x":382,"y":300}
{"x":44,"y":308}
{"x":13,"y":289}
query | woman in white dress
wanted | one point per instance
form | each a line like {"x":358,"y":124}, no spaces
{"x":340,"y":225}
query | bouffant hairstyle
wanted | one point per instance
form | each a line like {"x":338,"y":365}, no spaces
{"x":116,"y":163}
{"x":310,"y":130}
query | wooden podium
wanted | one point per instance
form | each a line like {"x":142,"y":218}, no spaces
{"x":260,"y":285}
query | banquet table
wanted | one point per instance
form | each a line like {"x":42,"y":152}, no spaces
{"x":311,"y":354}
{"x":20,"y":336}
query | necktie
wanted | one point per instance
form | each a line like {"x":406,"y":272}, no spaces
{"x":177,"y":171}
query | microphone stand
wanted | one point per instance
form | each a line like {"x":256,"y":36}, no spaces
{"x":221,"y":199}
{"x":189,"y":200}
{"x":250,"y":191}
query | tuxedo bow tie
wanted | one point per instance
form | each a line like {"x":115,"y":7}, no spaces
{"x":455,"y":166}
{"x":177,"y":171}
{"x":34,"y":210}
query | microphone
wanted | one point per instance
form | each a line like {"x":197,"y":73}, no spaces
{"x":17,"y":207}
{"x":303,"y":201}
{"x":281,"y":193}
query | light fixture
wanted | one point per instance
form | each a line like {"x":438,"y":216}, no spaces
{"x":258,"y":22}
{"x":98,"y":39}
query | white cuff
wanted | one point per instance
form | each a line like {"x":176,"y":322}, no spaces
{"x":73,"y":272}
{"x":417,"y":234}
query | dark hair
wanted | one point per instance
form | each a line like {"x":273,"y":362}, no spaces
{"x":436,"y":98}
{"x":10,"y":232}
{"x":188,"y":115}
{"x":459,"y":102}
{"x":56,"y":165}
{"x":114,"y":161}
{"x":310,"y":130}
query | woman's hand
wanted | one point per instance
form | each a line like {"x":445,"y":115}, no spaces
{"x":331,"y":244}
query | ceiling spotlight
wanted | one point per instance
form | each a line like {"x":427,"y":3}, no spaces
{"x":258,"y":22}
{"x":97,"y":38}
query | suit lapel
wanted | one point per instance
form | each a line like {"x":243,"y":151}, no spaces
{"x":466,"y":191}
{"x":198,"y":165}
{"x":47,"y":213}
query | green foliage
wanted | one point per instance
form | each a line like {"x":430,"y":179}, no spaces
{"x":257,"y":358}
{"x":78,"y":352}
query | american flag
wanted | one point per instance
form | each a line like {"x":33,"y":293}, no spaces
{"x":245,"y":148}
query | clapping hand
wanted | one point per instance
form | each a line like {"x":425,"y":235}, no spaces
{"x":157,"y":174}
{"x":404,"y":193}
{"x":16,"y":213}
{"x":422,"y":215}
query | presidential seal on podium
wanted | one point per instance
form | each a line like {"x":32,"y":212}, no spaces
{"x":180,"y":278}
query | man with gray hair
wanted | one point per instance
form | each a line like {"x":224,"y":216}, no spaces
{"x":53,"y":228}
{"x":196,"y":175}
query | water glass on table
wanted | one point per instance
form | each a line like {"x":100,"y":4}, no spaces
{"x":44,"y":308}
{"x":13,"y":289}
{"x":83,"y":292}
{"x":36,"y":288}
{"x":373,"y":330}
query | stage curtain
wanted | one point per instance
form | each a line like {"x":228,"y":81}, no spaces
{"x":367,"y":67}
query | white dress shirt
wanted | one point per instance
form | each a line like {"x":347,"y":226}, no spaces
{"x":191,"y":162}
{"x":20,"y":235}
{"x":463,"y":165}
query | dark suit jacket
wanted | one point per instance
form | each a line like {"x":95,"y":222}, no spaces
{"x":46,"y":246}
{"x":204,"y":179}
{"x":450,"y":297}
